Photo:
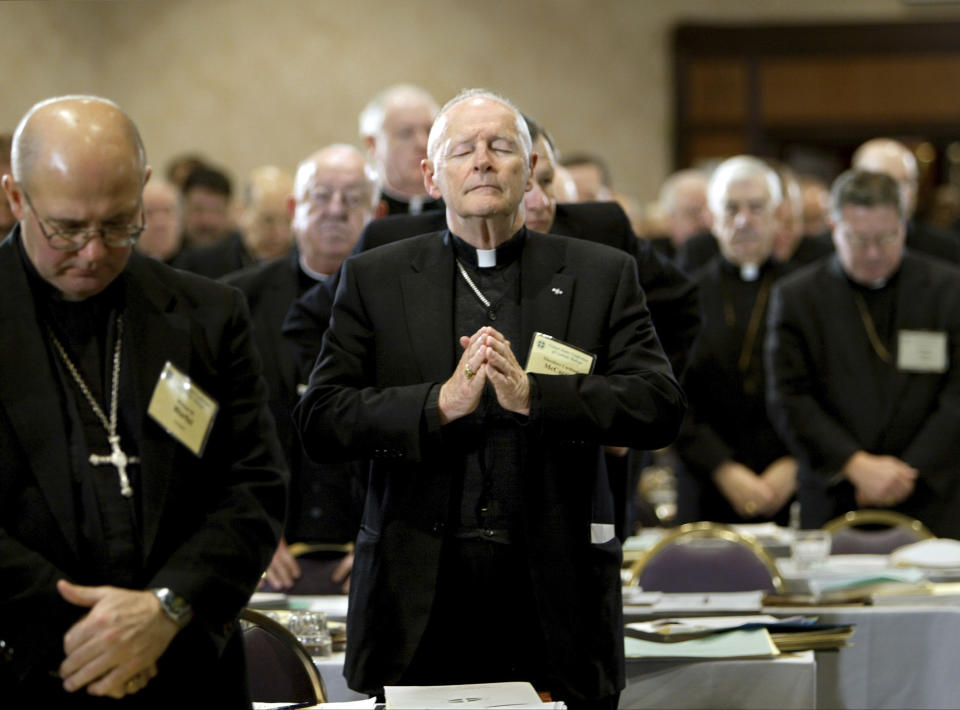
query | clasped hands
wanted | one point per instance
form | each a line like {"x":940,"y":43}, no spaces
{"x":487,"y":356}
{"x":880,"y":481}
{"x":757,"y":495}
{"x":113,"y":649}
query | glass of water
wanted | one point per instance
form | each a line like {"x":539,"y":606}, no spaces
{"x":310,"y":628}
{"x":810,"y":548}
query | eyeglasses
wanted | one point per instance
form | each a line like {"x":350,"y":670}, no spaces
{"x":352,"y":198}
{"x":859,"y":242}
{"x":76,"y":238}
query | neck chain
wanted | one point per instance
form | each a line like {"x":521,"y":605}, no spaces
{"x":878,"y":347}
{"x":753,"y":325}
{"x":491,"y":309}
{"x":116,"y":457}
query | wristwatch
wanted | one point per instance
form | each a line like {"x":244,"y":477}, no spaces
{"x":177,"y":608}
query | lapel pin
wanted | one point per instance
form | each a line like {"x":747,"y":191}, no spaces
{"x":557,"y":291}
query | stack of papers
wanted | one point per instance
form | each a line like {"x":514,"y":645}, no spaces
{"x":479,"y":695}
{"x":733,"y":636}
{"x":660,"y":602}
{"x":751,"y":643}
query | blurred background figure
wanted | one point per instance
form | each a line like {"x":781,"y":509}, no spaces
{"x":394,"y":127}
{"x":207,"y":193}
{"x":885,"y":155}
{"x":591,"y":176}
{"x":162,"y":238}
{"x":682,"y":210}
{"x":7,"y":220}
{"x":180,"y":167}
{"x":564,"y":186}
{"x":735,"y":466}
{"x":266,"y":212}
{"x":815,"y":196}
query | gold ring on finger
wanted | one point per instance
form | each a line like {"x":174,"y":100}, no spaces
{"x":468,"y":372}
{"x":750,"y":507}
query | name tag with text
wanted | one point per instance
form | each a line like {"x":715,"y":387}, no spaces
{"x":922,"y":351}
{"x":183,"y":410}
{"x":549,"y":356}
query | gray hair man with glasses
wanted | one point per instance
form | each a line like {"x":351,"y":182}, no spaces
{"x":142,"y":487}
{"x":335,"y":194}
{"x":862,"y":355}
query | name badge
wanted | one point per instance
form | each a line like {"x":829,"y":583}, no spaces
{"x":549,"y":356}
{"x":183,"y":410}
{"x":922,"y":351}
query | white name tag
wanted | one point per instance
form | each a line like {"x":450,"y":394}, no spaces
{"x":601,"y":533}
{"x":549,"y":356}
{"x":184,"y":410}
{"x":922,"y":351}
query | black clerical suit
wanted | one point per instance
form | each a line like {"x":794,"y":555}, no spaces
{"x":390,"y":345}
{"x":203,"y":526}
{"x":671,"y":296}
{"x":324,"y":507}
{"x":727,"y":419}
{"x":830,"y":393}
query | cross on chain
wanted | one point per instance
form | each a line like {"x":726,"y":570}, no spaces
{"x":117,"y":458}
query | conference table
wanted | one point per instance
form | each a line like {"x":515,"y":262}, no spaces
{"x":787,"y":682}
{"x":901,"y":656}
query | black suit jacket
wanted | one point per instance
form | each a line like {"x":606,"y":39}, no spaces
{"x":727,"y":419}
{"x":208,"y":525}
{"x":215,"y":260}
{"x":671,"y":296}
{"x":827,"y":401}
{"x":324,"y":503}
{"x":390,"y":342}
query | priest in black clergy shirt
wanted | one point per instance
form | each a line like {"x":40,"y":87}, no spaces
{"x":863,"y":376}
{"x":487,"y":550}
{"x":394,"y":127}
{"x":334,"y":196}
{"x":127,"y":547}
{"x":735,"y":468}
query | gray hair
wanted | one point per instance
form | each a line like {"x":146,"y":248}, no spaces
{"x":374,"y":113}
{"x":439,"y":128}
{"x":26,"y":144}
{"x":741,"y":167}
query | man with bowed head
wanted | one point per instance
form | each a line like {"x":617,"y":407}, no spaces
{"x":489,"y":507}
{"x":862,"y":357}
{"x":129,"y":539}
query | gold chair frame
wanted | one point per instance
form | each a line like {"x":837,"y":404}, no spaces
{"x":705,"y":530}
{"x":256,"y":618}
{"x":872,"y":516}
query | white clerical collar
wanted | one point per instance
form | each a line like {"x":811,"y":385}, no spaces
{"x":749,"y":272}
{"x":315,"y":275}
{"x":486,"y":258}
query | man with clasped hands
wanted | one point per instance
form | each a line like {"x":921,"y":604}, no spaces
{"x":141,"y":483}
{"x":487,"y":550}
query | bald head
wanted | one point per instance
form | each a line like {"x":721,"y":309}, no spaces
{"x":61,"y":134}
{"x":885,"y":155}
{"x":266,"y":215}
{"x":683,"y":200}
{"x":78,"y":164}
{"x":335,"y":195}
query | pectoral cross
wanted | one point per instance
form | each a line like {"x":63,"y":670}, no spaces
{"x":119,"y":459}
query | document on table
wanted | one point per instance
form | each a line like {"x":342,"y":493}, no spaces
{"x":480,"y":695}
{"x":753,"y":643}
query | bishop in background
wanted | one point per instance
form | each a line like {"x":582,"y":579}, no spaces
{"x":142,"y":488}
{"x":487,"y":549}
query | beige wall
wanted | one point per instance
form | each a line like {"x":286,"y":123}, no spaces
{"x":249,"y":82}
